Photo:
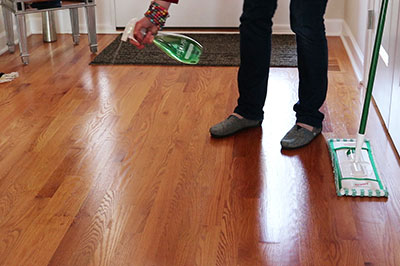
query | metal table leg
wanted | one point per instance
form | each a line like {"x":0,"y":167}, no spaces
{"x":8,"y":24}
{"x":23,"y":45}
{"x":91,"y":25}
{"x":73,"y":13}
{"x":49,"y":27}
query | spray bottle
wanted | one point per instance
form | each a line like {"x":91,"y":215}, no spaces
{"x":179,"y":47}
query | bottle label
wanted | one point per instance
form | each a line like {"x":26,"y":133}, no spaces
{"x":189,"y":51}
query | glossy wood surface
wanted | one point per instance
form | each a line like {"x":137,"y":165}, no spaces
{"x":114,"y":165}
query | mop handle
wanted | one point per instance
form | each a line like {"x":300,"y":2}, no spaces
{"x":374,"y":64}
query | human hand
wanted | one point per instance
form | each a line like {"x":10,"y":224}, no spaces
{"x":145,"y":30}
{"x":144,"y":33}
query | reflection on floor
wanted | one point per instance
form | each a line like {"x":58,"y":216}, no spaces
{"x":114,"y":165}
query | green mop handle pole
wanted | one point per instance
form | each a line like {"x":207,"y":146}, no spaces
{"x":374,"y":64}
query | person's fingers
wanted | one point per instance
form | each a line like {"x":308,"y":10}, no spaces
{"x":151,"y":32}
{"x":136,"y":43}
{"x":148,"y":38}
{"x":137,"y":33}
{"x":144,"y":33}
{"x":154,"y":30}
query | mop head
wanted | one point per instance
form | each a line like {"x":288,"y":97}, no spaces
{"x":357,"y":179}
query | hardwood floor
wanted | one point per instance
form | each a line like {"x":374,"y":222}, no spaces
{"x":114,"y":165}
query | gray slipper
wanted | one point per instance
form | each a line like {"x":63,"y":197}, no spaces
{"x":298,"y":137}
{"x":232,"y":125}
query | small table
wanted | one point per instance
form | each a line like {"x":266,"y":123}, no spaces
{"x":10,"y":7}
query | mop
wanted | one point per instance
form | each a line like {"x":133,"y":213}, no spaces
{"x":354,"y":166}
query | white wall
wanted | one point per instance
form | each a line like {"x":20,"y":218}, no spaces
{"x":106,"y":19}
{"x":334,"y":15}
{"x":215,"y":13}
{"x":355,"y":15}
{"x":354,"y":34}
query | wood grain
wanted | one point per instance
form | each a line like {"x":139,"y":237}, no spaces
{"x":114,"y":165}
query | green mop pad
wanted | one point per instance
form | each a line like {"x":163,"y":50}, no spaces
{"x":355,"y":179}
{"x":353,"y":162}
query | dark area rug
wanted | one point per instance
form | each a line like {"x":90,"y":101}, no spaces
{"x":219,"y":50}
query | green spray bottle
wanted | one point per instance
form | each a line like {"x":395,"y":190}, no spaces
{"x":177,"y":46}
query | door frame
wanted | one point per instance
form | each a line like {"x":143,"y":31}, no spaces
{"x":394,"y":123}
{"x":370,"y":36}
{"x":114,"y":15}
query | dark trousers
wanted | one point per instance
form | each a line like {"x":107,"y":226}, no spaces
{"x":307,"y":22}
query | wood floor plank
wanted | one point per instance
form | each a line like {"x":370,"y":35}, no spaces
{"x":114,"y":165}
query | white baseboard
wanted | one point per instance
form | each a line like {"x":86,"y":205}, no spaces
{"x":353,"y":51}
{"x":334,"y":27}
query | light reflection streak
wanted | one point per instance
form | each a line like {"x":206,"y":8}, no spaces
{"x":97,"y":130}
{"x":284,"y":194}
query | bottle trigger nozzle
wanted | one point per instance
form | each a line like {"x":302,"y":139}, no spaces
{"x":128,"y":32}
